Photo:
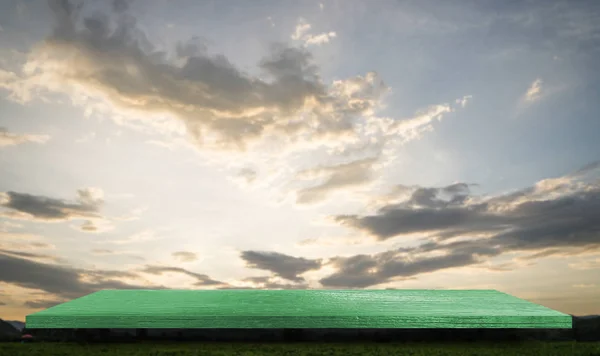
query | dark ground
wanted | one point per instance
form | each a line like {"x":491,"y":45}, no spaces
{"x":302,"y":335}
{"x":302,"y":349}
{"x":577,"y":341}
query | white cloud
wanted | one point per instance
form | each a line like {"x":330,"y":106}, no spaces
{"x":464,"y":100}
{"x":319,"y":39}
{"x":12,"y":139}
{"x":301,"y":28}
{"x":301,"y":34}
{"x":534,"y":92}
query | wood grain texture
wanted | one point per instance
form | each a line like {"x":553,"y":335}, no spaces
{"x":298,"y":309}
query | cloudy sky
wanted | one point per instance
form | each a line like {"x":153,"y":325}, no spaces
{"x":299,"y":144}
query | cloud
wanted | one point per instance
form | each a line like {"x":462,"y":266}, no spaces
{"x":246,"y":176}
{"x":385,"y":137}
{"x":268,"y":282}
{"x":591,"y":285}
{"x":95,"y":226}
{"x":426,"y":210}
{"x":106,"y":64}
{"x":184,"y":256}
{"x":284,"y":266}
{"x":586,"y":264}
{"x":337,"y":177}
{"x":220,"y":106}
{"x":201,"y":279}
{"x":464,"y":100}
{"x":102,"y":251}
{"x":455,"y":211}
{"x":534,"y":92}
{"x":42,"y":208}
{"x":42,"y":245}
{"x":42,"y":304}
{"x":61,"y":281}
{"x":319,"y":39}
{"x":30,"y":255}
{"x":301,"y":28}
{"x":362,"y":271}
{"x":23,"y":241}
{"x":120,"y":6}
{"x":301,"y":34}
{"x":12,"y":139}
{"x":6,"y":226}
{"x":110,"y":252}
{"x":553,"y":217}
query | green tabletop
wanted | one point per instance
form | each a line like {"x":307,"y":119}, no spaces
{"x":312,"y":308}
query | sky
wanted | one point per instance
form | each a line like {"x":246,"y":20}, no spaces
{"x":330,"y":144}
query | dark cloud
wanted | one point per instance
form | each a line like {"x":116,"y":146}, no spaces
{"x":281,"y":265}
{"x":556,"y":216}
{"x":460,"y":213}
{"x":266,"y":282}
{"x":394,"y":221}
{"x":120,"y":6}
{"x":221,"y":105}
{"x":202,"y":279}
{"x":207,"y":91}
{"x":193,"y":47}
{"x":62,"y":281}
{"x":30,"y":255}
{"x":362,"y":271}
{"x":39,"y":207}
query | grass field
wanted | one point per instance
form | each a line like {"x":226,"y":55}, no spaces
{"x":305,"y":349}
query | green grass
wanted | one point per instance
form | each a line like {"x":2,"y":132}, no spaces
{"x":299,"y":309}
{"x":306,"y":349}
